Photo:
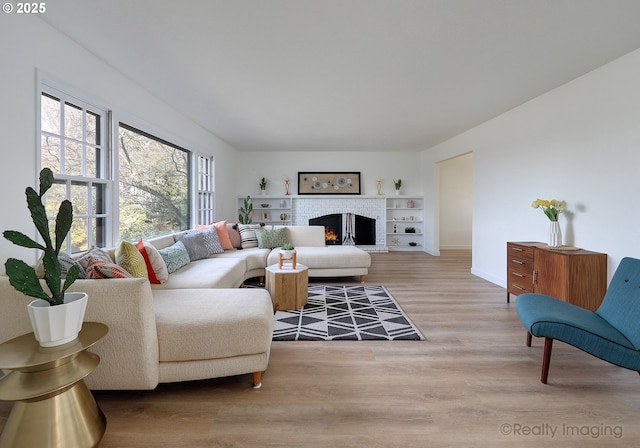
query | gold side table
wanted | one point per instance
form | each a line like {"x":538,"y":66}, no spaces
{"x":53,"y":406}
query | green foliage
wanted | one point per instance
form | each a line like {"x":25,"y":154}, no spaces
{"x":22,"y":276}
{"x":397,"y":183}
{"x":288,"y":246}
{"x":263,"y":184}
{"x":246,"y":211}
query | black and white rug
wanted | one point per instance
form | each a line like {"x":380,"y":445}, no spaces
{"x":353,"y":313}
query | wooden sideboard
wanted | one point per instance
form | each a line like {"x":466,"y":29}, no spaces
{"x":576,"y":276}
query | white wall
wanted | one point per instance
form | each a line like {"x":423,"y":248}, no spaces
{"x":579,"y":143}
{"x":29,"y":44}
{"x":456,"y":189}
{"x":372,"y":166}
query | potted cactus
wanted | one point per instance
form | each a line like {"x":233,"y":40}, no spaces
{"x":263,"y":185}
{"x":246,"y":211}
{"x":397,"y":184}
{"x":287,"y":251}
{"x":51,"y":312}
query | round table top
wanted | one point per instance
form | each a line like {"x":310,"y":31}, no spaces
{"x":287,"y":269}
{"x":25,"y":352}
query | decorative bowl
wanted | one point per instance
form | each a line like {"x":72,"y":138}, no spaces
{"x":264,"y":205}
{"x":413,"y":243}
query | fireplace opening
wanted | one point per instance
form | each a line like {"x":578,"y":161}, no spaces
{"x":332,"y":227}
{"x":365,"y":231}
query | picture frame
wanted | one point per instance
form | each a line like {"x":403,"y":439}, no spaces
{"x":328,"y":182}
{"x":266,"y":216}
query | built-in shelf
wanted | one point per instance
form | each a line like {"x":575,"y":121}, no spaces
{"x":403,"y":212}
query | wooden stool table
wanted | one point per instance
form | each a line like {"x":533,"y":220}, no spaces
{"x":287,"y":286}
{"x":53,"y":406}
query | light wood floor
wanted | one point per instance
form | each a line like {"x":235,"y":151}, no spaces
{"x":472,"y":382}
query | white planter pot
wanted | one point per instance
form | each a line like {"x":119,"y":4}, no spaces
{"x":287,"y":254}
{"x":57,"y":325}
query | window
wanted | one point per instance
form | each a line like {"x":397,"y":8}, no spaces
{"x":205,"y":190}
{"x":73,"y":146}
{"x":154,"y":179}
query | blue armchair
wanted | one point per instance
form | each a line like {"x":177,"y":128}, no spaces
{"x":611,"y":333}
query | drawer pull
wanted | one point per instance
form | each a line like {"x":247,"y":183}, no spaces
{"x":517,"y":275}
{"x":518,"y":287}
{"x":517,"y":261}
{"x":518,"y":249}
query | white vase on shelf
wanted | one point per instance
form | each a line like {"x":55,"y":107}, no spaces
{"x":555,"y":234}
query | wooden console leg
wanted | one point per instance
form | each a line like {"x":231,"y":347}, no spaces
{"x":546,"y":359}
{"x":257,"y":380}
{"x":528,"y":339}
{"x":362,"y":279}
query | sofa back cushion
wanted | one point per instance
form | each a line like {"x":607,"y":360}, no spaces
{"x":129,"y":257}
{"x":175,"y":256}
{"x":310,"y":236}
{"x":272,"y":238}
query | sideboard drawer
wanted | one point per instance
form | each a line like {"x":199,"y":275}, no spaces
{"x":519,"y":269}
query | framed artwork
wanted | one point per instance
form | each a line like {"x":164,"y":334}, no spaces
{"x":266,"y":216}
{"x":316,"y":182}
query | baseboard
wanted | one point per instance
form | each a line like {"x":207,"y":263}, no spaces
{"x":490,"y":278}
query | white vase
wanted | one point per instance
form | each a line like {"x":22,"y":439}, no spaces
{"x":263,"y":192}
{"x":397,"y":192}
{"x":59,"y":324}
{"x":555,"y":234}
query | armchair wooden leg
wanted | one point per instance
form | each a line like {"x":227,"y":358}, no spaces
{"x":528,"y":339}
{"x":546,"y":359}
{"x":257,"y":380}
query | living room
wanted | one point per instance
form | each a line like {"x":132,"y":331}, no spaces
{"x":577,"y":141}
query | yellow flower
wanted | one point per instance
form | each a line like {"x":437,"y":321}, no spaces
{"x":552,"y":208}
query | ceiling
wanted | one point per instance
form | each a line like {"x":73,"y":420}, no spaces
{"x":355,"y":75}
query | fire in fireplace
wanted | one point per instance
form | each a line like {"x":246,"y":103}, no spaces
{"x":359,"y":230}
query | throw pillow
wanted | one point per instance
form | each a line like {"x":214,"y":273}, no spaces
{"x":268,"y":239}
{"x":129,"y":257}
{"x":95,"y":253}
{"x":212,"y":241}
{"x":195,"y":244}
{"x":99,"y":268}
{"x":156,"y":268}
{"x":248,"y":235}
{"x":223,"y":233}
{"x":66,"y":261}
{"x":234,"y":236}
{"x":175,"y":256}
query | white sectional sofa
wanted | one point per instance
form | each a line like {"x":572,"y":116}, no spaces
{"x":198,"y":324}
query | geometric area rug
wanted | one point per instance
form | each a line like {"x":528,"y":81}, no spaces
{"x":352,"y":313}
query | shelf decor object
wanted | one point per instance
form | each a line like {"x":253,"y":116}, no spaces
{"x":328,"y":182}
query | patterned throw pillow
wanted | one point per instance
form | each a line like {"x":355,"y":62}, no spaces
{"x":194,"y":243}
{"x":223,"y":233}
{"x":175,"y":256}
{"x":129,"y":257}
{"x":248,"y":235}
{"x":268,"y":239}
{"x":95,"y":253}
{"x":98,"y":268}
{"x":66,"y":261}
{"x":156,"y":268}
{"x":212,"y":241}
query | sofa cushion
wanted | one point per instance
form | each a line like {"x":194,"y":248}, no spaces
{"x":175,"y":256}
{"x":254,"y":257}
{"x":129,"y":257}
{"x":328,"y":257}
{"x":248,"y":234}
{"x":66,"y":262}
{"x":272,"y":238}
{"x":200,"y":324}
{"x":98,"y":268}
{"x":207,"y":273}
{"x":308,"y":236}
{"x":156,"y":268}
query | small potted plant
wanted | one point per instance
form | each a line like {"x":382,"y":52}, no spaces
{"x":263,"y":185}
{"x":409,"y":230}
{"x":287,"y":251}
{"x":51,"y":312}
{"x":397,"y":184}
